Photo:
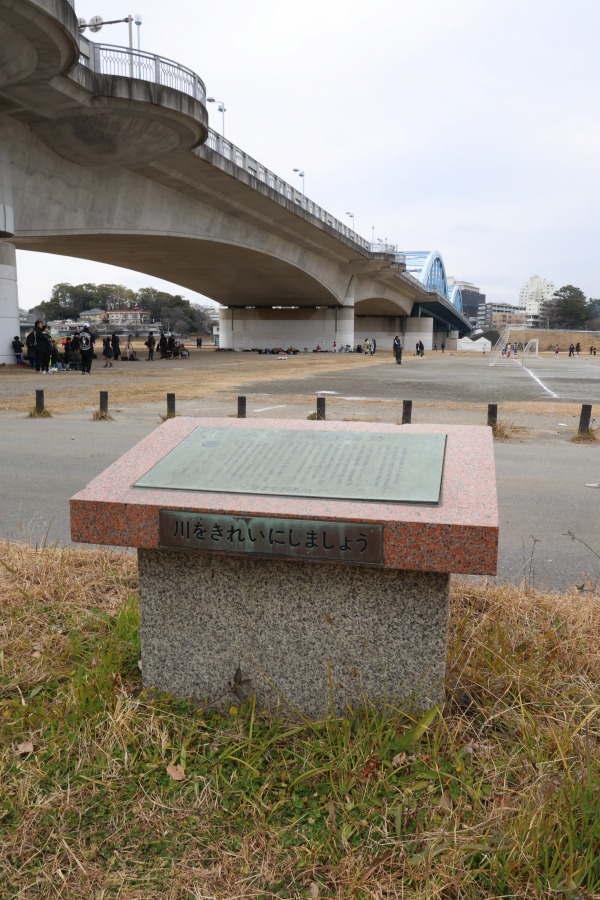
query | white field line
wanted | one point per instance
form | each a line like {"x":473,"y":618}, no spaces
{"x":265,"y":408}
{"x":541,"y":383}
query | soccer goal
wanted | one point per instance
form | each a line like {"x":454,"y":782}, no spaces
{"x":502,"y":352}
{"x":531,"y":348}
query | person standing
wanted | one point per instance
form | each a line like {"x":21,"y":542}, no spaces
{"x":366,"y":346}
{"x":556,"y":352}
{"x":107,"y":352}
{"x":17,"y":346}
{"x":443,"y":346}
{"x":373,"y":346}
{"x":577,"y":348}
{"x":48,"y":349}
{"x":86,"y":350}
{"x":397,"y":350}
{"x":199,"y":343}
{"x":571,"y":349}
{"x":116,"y":345}
{"x":151,"y":344}
{"x":38,"y":344}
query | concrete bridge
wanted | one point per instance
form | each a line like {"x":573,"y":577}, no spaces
{"x":106,"y":154}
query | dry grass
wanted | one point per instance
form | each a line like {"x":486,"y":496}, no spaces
{"x":102,"y":415}
{"x":591,"y":436}
{"x":498,"y":796}
{"x":507,"y":430}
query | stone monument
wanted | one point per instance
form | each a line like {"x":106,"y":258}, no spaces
{"x":306,"y":565}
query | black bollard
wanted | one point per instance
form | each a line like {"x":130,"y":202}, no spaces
{"x":170,"y":405}
{"x":492,"y":419}
{"x":585,"y":418}
{"x":406,"y":412}
{"x":320,"y":409}
{"x":39,"y":401}
{"x":241,"y":408}
{"x":104,"y":402}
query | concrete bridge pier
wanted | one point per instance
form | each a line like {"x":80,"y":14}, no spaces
{"x":9,"y":302}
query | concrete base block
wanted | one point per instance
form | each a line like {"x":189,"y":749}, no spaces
{"x":295,"y":633}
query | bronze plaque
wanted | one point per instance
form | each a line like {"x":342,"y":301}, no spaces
{"x":343,"y":465}
{"x":283,"y":538}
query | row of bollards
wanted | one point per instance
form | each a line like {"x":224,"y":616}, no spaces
{"x":492,"y":411}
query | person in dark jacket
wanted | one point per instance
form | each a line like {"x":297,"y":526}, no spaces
{"x":397,"y":350}
{"x":38,"y":344}
{"x":116,"y":345}
{"x":107,"y":352}
{"x":17,"y":346}
{"x":86,"y":350}
{"x":163,"y":345}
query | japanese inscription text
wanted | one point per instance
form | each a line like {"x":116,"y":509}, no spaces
{"x":347,"y":465}
{"x":336,"y":541}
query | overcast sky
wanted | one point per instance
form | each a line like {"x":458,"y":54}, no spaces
{"x":466,"y":126}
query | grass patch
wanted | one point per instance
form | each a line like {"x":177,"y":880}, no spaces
{"x":101,"y":415}
{"x":506,"y":430}
{"x":587,"y":437}
{"x":35,"y":413}
{"x":110,"y":792}
{"x":169,"y":415}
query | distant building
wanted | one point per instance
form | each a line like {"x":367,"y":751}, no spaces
{"x":128,"y":318}
{"x":499,"y":315}
{"x":533,"y":295}
{"x":472,"y":297}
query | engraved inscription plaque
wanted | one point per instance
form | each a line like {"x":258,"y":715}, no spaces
{"x":347,"y":465}
{"x":348,"y":542}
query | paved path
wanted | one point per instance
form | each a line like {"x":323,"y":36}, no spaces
{"x":541,"y":480}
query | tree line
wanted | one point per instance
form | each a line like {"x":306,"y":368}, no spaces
{"x":569,"y":308}
{"x":72,"y":301}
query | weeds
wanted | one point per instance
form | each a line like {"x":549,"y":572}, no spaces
{"x":35,"y":413}
{"x":110,"y":792}
{"x":591,"y":436}
{"x":164,"y":417}
{"x":507,"y":430}
{"x":102,"y":415}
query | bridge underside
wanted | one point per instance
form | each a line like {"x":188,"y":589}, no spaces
{"x":229,"y":274}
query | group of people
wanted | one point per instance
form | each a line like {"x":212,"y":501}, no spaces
{"x":44,"y":353}
{"x":168,"y":347}
{"x":420,"y":348}
{"x":369,"y":346}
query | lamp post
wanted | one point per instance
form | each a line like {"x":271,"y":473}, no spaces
{"x":351,"y":216}
{"x":222,"y":109}
{"x":138,"y":21}
{"x":301,"y":175}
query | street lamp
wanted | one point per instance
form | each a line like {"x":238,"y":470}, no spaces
{"x":222,"y":110}
{"x":301,"y":175}
{"x":351,"y":215}
{"x":138,"y":21}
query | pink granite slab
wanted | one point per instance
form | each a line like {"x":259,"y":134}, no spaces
{"x":459,"y":535}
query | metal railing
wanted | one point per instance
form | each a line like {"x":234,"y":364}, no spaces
{"x":107,"y":59}
{"x":232,"y":153}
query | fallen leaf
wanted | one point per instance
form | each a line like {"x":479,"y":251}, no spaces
{"x":36,"y":654}
{"x":37,"y":646}
{"x":24,"y":748}
{"x":177,"y":773}
{"x":313,"y":890}
{"x":445,"y":800}
{"x":328,"y":618}
{"x":399,"y":760}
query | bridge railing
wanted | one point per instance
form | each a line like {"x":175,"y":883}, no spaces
{"x":229,"y":151}
{"x":107,"y":59}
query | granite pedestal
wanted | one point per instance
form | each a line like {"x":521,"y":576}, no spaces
{"x":308,"y":634}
